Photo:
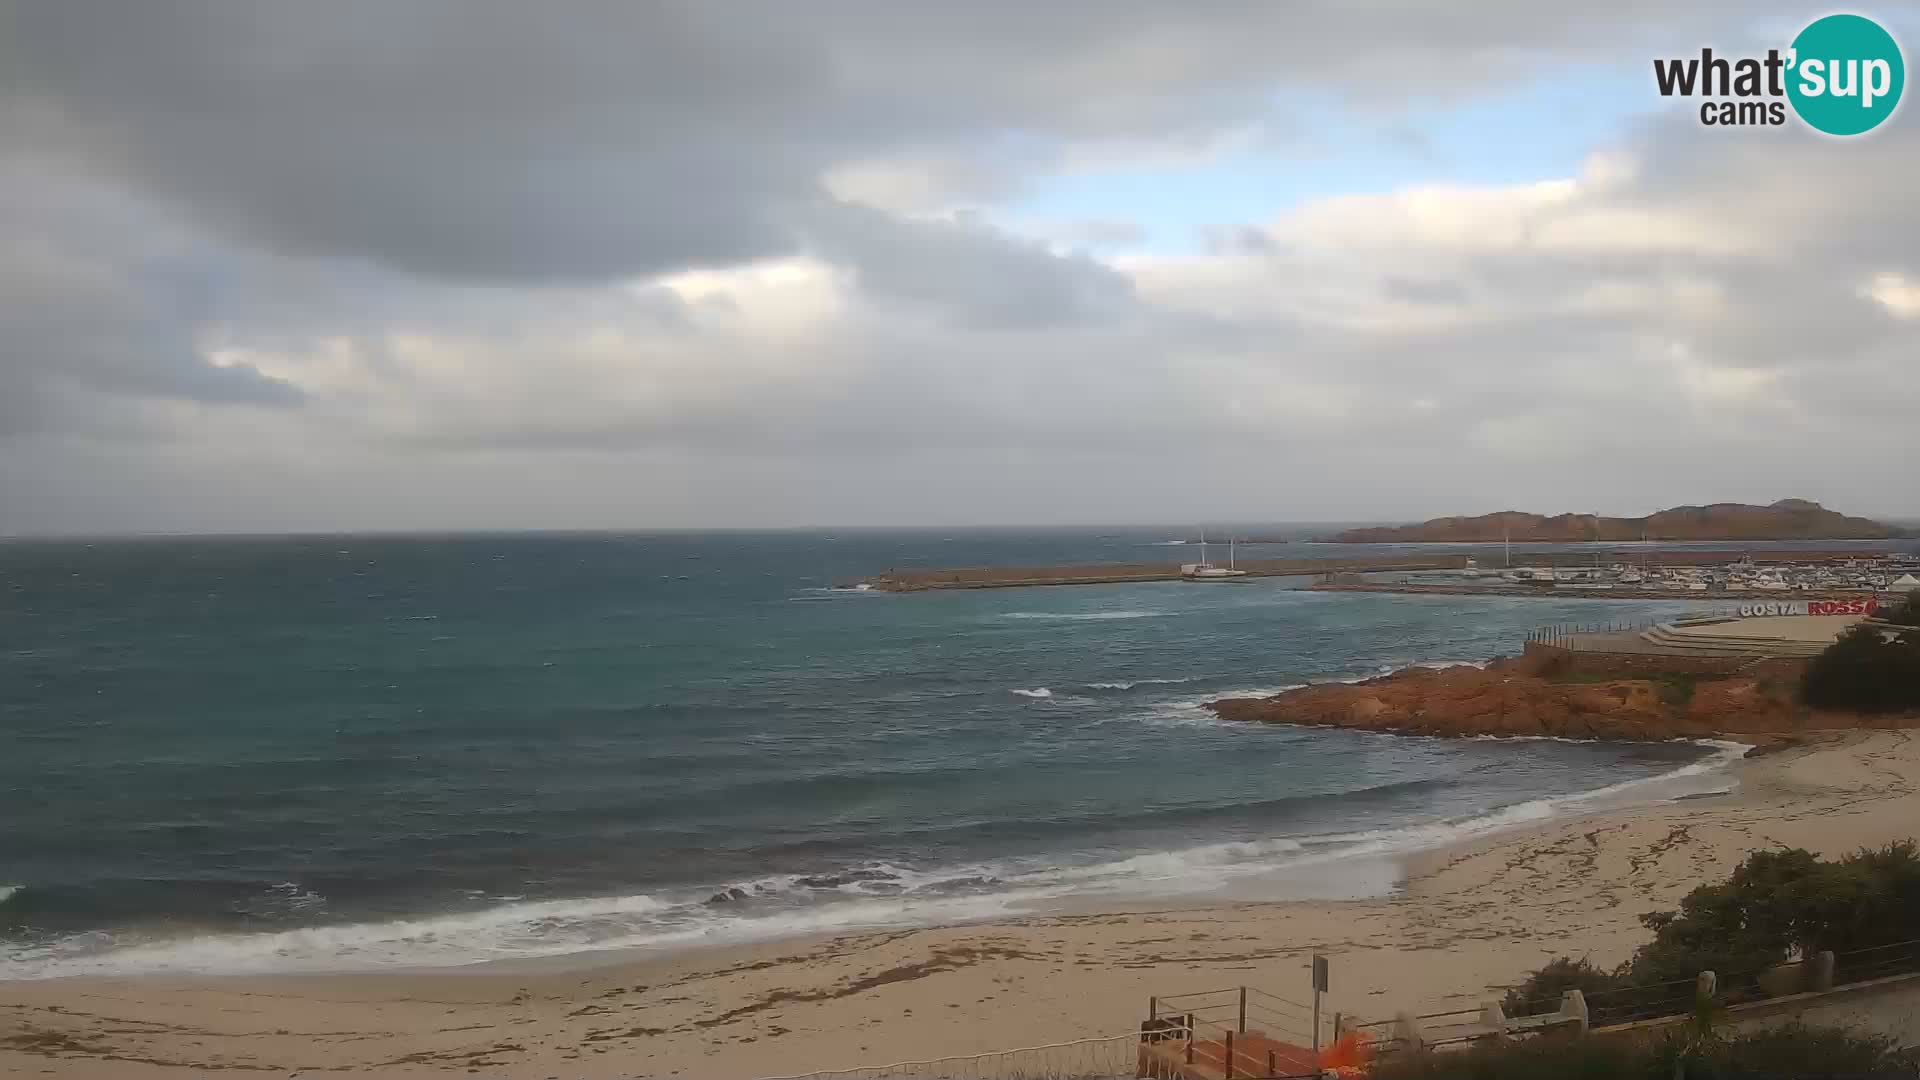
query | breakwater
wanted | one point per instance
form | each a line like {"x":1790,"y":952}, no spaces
{"x":1000,"y":577}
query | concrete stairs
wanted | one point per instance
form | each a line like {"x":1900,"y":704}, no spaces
{"x":1676,"y":639}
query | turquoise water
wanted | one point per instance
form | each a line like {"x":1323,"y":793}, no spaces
{"x":342,"y":753}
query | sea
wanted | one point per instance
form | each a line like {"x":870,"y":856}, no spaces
{"x":354,"y":753}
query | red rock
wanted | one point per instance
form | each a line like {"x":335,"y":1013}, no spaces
{"x":1506,"y":699}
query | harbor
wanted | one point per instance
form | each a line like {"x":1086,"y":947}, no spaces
{"x":1672,"y":573}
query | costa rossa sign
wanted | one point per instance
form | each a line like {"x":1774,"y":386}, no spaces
{"x":1859,"y":605}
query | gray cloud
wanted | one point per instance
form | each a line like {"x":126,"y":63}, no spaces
{"x":478,"y":264}
{"x":82,"y":311}
{"x":503,"y":141}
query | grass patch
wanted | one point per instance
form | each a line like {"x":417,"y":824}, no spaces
{"x":1675,"y":688}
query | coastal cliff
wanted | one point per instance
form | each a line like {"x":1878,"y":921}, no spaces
{"x":1788,"y":519}
{"x":1511,"y":697}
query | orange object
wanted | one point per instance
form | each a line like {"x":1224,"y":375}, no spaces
{"x":1351,"y":1052}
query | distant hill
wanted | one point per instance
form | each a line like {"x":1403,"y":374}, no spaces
{"x":1788,"y":519}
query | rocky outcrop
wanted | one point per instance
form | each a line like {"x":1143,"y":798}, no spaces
{"x":1788,"y":519}
{"x":1509,"y":698}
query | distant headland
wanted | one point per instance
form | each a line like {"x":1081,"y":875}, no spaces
{"x":1788,"y":519}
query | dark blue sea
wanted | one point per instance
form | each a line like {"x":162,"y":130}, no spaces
{"x":338,"y":753}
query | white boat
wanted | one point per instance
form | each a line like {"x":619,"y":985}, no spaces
{"x":1206,"y":571}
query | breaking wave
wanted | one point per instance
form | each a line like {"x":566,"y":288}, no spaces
{"x":864,"y":896}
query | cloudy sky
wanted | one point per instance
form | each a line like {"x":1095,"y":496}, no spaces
{"x":365,"y":265}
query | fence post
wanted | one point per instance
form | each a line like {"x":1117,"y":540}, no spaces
{"x":1229,"y":1056}
{"x":1573,"y":1006}
{"x":1823,"y":970}
{"x":1243,"y":1010}
{"x":1153,"y":1007}
{"x":1494,"y":1018}
{"x":1406,"y":1030}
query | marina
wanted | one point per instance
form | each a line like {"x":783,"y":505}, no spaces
{"x":1606,"y":574}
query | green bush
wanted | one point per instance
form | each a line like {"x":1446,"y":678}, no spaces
{"x":1865,"y":671}
{"x":1543,"y":989}
{"x":1786,"y":1053}
{"x":1776,"y":906}
{"x":1791,"y":1050}
{"x":1906,"y":614}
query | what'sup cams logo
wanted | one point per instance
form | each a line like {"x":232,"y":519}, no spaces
{"x":1842,"y":75}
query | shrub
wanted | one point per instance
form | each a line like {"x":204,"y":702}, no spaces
{"x":1775,"y":906}
{"x":1906,"y":614}
{"x":1865,"y":671}
{"x":1791,"y":1052}
{"x":1542,"y":991}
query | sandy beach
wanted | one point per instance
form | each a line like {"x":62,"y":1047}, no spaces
{"x":1466,"y":921}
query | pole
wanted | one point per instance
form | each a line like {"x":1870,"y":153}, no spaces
{"x":1316,"y":1027}
{"x":1229,"y":1056}
{"x":1320,"y":966}
{"x":1243,"y":1009}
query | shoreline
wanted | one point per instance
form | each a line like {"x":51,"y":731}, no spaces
{"x":1464,"y":920}
{"x":1358,"y":866}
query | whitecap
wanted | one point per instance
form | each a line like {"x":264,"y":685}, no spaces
{"x":1039,"y":692}
{"x":1076,"y":616}
{"x":1138,"y":682}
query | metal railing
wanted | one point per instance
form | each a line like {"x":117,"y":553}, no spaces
{"x":1241,"y":1031}
{"x":1614,"y":1006}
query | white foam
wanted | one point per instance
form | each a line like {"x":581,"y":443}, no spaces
{"x":509,"y":932}
{"x":1137,"y":682}
{"x":524,"y":929}
{"x":780,"y":906}
{"x":1076,"y":616}
{"x":1040,"y":692}
{"x":1193,"y":712}
{"x":1385,"y":670}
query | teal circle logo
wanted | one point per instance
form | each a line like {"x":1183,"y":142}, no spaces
{"x":1846,"y":75}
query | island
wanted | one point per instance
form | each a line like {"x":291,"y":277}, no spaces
{"x":1788,"y":519}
